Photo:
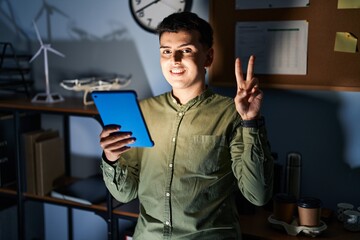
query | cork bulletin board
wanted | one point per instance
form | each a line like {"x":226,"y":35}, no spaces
{"x":326,"y":69}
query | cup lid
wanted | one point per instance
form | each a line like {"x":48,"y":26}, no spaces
{"x":345,"y":205}
{"x":351,"y":213}
{"x":309,"y":202}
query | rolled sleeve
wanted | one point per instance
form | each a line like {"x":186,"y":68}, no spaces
{"x":253,"y":164}
{"x":122,"y":185}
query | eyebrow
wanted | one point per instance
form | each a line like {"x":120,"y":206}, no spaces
{"x":180,"y":46}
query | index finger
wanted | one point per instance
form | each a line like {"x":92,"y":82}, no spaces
{"x":250,"y":68}
{"x":109,"y":129}
{"x":239,"y":74}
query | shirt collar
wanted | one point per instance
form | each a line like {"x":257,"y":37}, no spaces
{"x":193,"y":102}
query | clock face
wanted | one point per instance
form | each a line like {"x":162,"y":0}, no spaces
{"x":149,"y":13}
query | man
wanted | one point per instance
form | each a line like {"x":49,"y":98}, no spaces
{"x":206,"y":145}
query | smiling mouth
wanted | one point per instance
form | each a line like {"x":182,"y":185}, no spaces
{"x":177,"y":70}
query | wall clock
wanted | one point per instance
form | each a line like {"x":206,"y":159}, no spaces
{"x":149,"y":13}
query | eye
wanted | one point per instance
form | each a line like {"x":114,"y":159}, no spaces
{"x":166,"y":52}
{"x":186,"y":50}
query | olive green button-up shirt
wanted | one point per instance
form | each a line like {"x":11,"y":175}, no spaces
{"x":185,"y":183}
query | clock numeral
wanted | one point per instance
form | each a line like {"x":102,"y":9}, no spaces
{"x":138,"y":2}
{"x":140,"y":14}
{"x":149,"y":21}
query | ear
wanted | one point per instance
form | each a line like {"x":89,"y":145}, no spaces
{"x":209,"y":57}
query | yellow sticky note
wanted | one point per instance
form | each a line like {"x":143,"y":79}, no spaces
{"x":345,"y":42}
{"x":348,"y":4}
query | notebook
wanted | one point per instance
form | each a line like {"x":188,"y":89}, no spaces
{"x":122,"y":108}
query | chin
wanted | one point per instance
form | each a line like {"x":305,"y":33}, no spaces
{"x":176,"y":83}
{"x":176,"y":86}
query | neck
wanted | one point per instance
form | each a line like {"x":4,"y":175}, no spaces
{"x":183,"y":96}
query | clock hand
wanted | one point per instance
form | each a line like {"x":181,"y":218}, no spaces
{"x":147,"y":5}
{"x":169,"y":5}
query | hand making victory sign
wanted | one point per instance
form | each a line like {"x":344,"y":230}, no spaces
{"x":248,"y":95}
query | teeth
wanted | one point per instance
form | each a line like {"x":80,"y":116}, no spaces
{"x":177,"y":70}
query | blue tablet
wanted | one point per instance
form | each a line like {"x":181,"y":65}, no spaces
{"x":122,"y":108}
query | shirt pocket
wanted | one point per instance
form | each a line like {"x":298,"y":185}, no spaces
{"x":206,"y":153}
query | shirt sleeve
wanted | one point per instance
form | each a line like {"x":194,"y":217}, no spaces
{"x":253,"y":164}
{"x":121,"y":178}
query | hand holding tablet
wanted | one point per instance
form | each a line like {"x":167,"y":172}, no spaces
{"x":121,"y":108}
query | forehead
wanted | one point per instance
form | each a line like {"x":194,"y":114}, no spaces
{"x":171,"y":39}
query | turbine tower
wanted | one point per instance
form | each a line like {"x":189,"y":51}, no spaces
{"x":46,"y":97}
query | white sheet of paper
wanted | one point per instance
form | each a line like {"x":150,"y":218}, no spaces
{"x":280,"y":47}
{"x":258,"y":4}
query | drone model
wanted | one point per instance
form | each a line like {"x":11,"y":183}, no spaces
{"x":92,"y":84}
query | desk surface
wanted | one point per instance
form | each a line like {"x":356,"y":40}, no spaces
{"x":69,"y":105}
{"x":256,"y":226}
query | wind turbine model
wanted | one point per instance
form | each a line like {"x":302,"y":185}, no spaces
{"x":49,"y":10}
{"x":46,"y":97}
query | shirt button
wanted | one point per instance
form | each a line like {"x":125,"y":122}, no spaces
{"x":168,"y":194}
{"x":111,"y":169}
{"x":170,"y":165}
{"x":167,"y":223}
{"x":180,"y":114}
{"x":173,"y":139}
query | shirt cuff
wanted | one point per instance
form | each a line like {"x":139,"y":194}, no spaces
{"x":255,"y":123}
{"x":112,"y":163}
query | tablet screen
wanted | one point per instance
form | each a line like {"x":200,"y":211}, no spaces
{"x":122,"y":108}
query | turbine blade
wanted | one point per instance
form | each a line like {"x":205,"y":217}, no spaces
{"x":37,"y":33}
{"x":55,"y":9}
{"x":35,"y":56}
{"x":55,"y":51}
{"x":39,"y":13}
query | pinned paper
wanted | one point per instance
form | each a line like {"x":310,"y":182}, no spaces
{"x":348,"y":4}
{"x":345,"y":42}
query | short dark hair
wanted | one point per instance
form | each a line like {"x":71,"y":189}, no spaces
{"x":187,"y":21}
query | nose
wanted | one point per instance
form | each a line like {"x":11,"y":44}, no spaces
{"x":177,"y":56}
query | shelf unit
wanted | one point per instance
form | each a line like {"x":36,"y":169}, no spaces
{"x":110,"y":210}
{"x":14,"y":70}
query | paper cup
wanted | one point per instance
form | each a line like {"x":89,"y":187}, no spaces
{"x":309,"y":211}
{"x":284,"y":207}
